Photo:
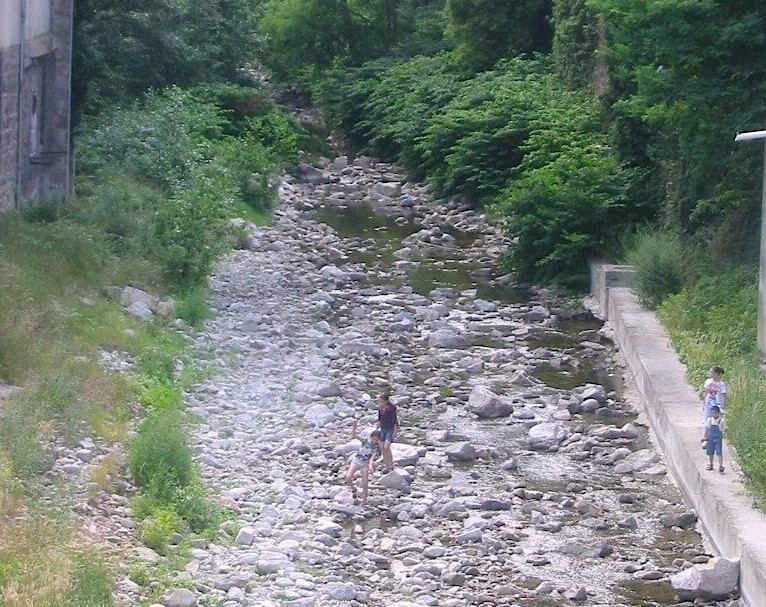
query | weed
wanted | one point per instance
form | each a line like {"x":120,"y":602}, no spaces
{"x":192,"y":307}
{"x":715,"y":322}
{"x":160,"y":460}
{"x":660,"y":264}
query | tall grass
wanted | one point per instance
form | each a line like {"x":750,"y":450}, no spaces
{"x":714,"y":322}
{"x":659,"y":259}
{"x":43,"y":562}
{"x":162,"y":182}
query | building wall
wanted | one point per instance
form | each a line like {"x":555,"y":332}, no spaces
{"x":35,"y":77}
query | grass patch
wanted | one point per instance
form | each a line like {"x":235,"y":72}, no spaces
{"x":44,"y":563}
{"x":714,"y":322}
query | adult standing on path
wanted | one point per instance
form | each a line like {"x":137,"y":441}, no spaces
{"x":715,"y":392}
{"x":388,"y":424}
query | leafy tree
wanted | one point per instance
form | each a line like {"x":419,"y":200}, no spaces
{"x":569,"y":197}
{"x":471,"y":145}
{"x":123,"y":48}
{"x":686,"y":76}
{"x":484,"y":31}
{"x":575,"y":41}
{"x":308,"y":36}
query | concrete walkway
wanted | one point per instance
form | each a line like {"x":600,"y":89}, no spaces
{"x":673,"y":408}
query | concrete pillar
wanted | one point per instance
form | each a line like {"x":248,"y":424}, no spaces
{"x":762,"y":269}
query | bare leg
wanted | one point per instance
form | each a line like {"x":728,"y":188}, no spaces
{"x":365,"y":482}
{"x":350,"y":479}
{"x":388,"y":456}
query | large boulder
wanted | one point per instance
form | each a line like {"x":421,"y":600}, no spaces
{"x":715,"y":580}
{"x":486,"y":404}
{"x":637,"y":461}
{"x":546,"y":435}
{"x":461,"y":452}
{"x":406,"y":455}
{"x":319,"y":415}
{"x":447,"y":338}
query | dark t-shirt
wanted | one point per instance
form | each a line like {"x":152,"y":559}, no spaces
{"x":387,"y":418}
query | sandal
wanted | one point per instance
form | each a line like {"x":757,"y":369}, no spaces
{"x":709,"y":467}
{"x":720,"y":469}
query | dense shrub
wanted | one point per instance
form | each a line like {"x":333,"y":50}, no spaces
{"x":566,"y":200}
{"x":160,"y":459}
{"x":660,"y":262}
{"x":193,"y":229}
{"x":164,"y":139}
{"x":384,"y":107}
{"x":471,"y":145}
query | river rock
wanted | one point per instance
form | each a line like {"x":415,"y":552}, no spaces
{"x":319,"y":415}
{"x":447,"y":338}
{"x":486,"y":404}
{"x":716,"y":580}
{"x":636,"y":461}
{"x":179,"y":597}
{"x":546,"y":435}
{"x":461,"y":452}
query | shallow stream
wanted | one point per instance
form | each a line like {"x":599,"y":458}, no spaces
{"x":627,"y":510}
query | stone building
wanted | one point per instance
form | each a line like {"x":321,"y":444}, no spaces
{"x":35,"y":82}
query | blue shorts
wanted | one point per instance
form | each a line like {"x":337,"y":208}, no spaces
{"x":386,"y":435}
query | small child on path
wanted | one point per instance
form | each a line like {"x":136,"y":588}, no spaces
{"x":363,"y":461}
{"x":714,"y":437}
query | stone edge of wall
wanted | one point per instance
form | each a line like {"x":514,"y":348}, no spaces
{"x":674,"y":410}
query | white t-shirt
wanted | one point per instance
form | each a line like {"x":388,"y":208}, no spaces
{"x":714,"y":391}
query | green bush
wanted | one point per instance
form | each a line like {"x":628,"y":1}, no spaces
{"x":158,"y":528}
{"x":383,"y":107}
{"x":245,"y":167}
{"x":191,"y":306}
{"x":238,"y":103}
{"x":157,"y":395}
{"x":660,"y":262}
{"x":201,"y":514}
{"x":160,"y":459}
{"x":471,"y":146}
{"x":157,"y":364}
{"x":193,"y":228}
{"x":165,"y":139}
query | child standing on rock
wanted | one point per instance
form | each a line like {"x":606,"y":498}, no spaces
{"x":388,"y":424}
{"x":714,"y":437}
{"x":363,"y":461}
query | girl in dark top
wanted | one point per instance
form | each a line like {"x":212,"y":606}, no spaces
{"x":388,"y":424}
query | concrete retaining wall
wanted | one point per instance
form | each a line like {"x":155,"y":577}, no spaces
{"x":675,"y":412}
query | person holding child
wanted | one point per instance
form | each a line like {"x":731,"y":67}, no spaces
{"x":715,"y":392}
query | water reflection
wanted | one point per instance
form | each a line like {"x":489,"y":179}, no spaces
{"x":363,"y":221}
